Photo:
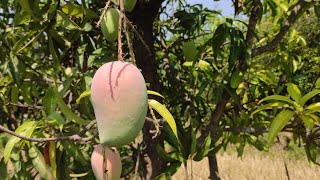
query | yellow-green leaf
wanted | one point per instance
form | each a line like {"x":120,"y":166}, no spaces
{"x":39,"y":163}
{"x":294,"y":92}
{"x":164,"y":112}
{"x":82,"y":95}
{"x":308,"y":96}
{"x":26,"y":130}
{"x":277,"y":98}
{"x":314,"y":107}
{"x":307,"y":120}
{"x":66,"y":110}
{"x":278,"y":123}
{"x":154,"y":93}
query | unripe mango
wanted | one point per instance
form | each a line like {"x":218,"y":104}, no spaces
{"x":189,"y":50}
{"x":119,"y":98}
{"x":129,"y":5}
{"x":113,"y":163}
{"x":110,"y":23}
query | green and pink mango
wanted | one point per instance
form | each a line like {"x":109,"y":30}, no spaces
{"x":113,"y":163}
{"x":119,"y":98}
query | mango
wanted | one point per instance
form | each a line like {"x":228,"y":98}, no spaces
{"x":113,"y":163}
{"x":110,"y":23}
{"x":120,"y":102}
{"x":129,"y":5}
{"x":189,"y":51}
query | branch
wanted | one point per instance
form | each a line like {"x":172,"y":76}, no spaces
{"x":76,"y":137}
{"x":299,"y":8}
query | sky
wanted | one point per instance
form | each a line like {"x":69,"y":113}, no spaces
{"x":224,"y":5}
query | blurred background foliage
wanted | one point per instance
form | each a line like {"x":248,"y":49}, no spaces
{"x":212,"y":69}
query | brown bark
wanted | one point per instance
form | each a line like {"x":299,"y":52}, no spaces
{"x":142,"y":18}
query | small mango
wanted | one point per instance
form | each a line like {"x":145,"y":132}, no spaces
{"x":110,"y":23}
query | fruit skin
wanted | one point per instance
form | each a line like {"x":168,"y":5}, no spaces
{"x":110,"y":23}
{"x":113,"y":163}
{"x":120,"y":101}
{"x":129,"y":5}
{"x":189,"y":50}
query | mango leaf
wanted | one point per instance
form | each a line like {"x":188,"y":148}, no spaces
{"x":154,"y":93}
{"x":277,"y":98}
{"x":308,"y":96}
{"x":193,"y":142}
{"x":315,"y":117}
{"x":73,"y":150}
{"x":25,"y":92}
{"x":308,"y":121}
{"x":266,"y":106}
{"x":64,"y":21}
{"x":164,"y":112}
{"x":49,"y":101}
{"x":72,"y":9}
{"x":169,"y":170}
{"x":39,"y":163}
{"x":294,"y":92}
{"x":82,"y":95}
{"x":163,"y":154}
{"x":236,"y":79}
{"x":278,"y":123}
{"x":53,"y":53}
{"x":26,"y":129}
{"x":79,"y":175}
{"x":25,"y":4}
{"x":314,"y":107}
{"x":52,"y":156}
{"x":56,"y":119}
{"x":3,"y":169}
{"x":317,"y":10}
{"x":205,"y":149}
{"x":66,"y":110}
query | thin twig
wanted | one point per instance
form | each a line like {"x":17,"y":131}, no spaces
{"x":133,"y":59}
{"x":120,"y":58}
{"x":137,"y":163}
{"x":138,"y":34}
{"x":76,"y":137}
{"x":103,"y":13}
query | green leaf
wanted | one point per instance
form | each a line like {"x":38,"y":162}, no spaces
{"x":193,"y":142}
{"x":49,"y":101}
{"x":66,"y":110}
{"x":64,"y":21}
{"x":278,"y":98}
{"x":79,"y":175}
{"x":315,"y":117}
{"x":52,"y":156}
{"x":56,"y":119}
{"x":164,"y":112}
{"x":294,"y":92}
{"x":73,"y":10}
{"x":39,"y":163}
{"x":314,"y":107}
{"x":25,"y":4}
{"x":205,"y":149}
{"x":26,"y":129}
{"x":308,"y":121}
{"x":82,"y":95}
{"x":74,"y":151}
{"x":308,"y":96}
{"x":274,"y":104}
{"x":3,"y":169}
{"x":278,"y":123}
{"x":25,"y":92}
{"x":169,"y":171}
{"x":163,"y":154}
{"x":236,"y":79}
{"x":317,"y":10}
{"x":53,"y":53}
{"x":154,"y":93}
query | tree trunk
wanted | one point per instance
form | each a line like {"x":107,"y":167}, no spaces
{"x":142,"y":18}
{"x":213,"y":167}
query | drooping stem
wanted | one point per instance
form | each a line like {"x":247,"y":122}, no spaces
{"x":120,"y":58}
{"x":104,"y":164}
